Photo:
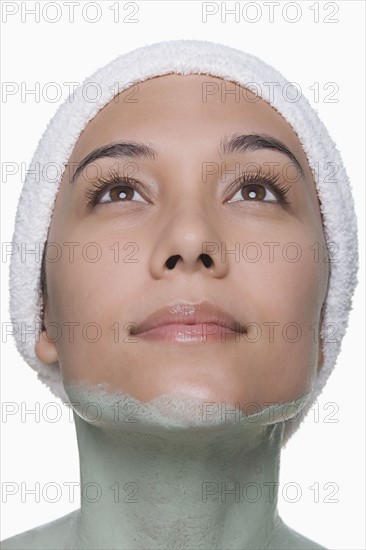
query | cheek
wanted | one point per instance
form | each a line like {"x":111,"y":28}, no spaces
{"x":285,"y":292}
{"x":293,"y":283}
{"x":95,"y":288}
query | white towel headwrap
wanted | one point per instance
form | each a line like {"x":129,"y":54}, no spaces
{"x":38,"y":194}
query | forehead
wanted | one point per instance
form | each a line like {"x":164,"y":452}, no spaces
{"x":193,"y":111}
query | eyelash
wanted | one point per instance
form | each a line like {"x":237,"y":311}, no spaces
{"x":101,"y":185}
{"x":93,"y":195}
{"x":260,"y":177}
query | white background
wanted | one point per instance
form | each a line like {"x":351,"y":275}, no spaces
{"x":306,"y":52}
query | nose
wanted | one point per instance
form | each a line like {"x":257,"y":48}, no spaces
{"x":188,"y":242}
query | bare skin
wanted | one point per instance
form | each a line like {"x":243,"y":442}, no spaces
{"x":183,"y":213}
{"x":176,"y":213}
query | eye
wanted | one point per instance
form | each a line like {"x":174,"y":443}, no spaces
{"x":260,"y":187}
{"x":123,"y":193}
{"x":255,"y":192}
{"x":115,"y":189}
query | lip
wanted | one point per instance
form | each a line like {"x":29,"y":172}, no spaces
{"x":185,"y":321}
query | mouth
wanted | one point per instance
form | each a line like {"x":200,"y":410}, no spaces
{"x":190,"y":322}
{"x":179,"y":332}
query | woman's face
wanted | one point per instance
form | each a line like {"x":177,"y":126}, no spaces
{"x":268,"y":270}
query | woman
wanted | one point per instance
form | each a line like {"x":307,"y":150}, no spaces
{"x":188,"y":286}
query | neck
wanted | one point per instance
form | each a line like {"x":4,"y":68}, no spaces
{"x":175,"y":472}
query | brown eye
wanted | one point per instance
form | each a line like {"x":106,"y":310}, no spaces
{"x":121,"y":192}
{"x":255,"y":192}
{"x":124,"y":190}
{"x":261,"y":188}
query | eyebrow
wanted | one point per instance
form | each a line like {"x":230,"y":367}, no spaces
{"x":254,"y":142}
{"x":238,"y":143}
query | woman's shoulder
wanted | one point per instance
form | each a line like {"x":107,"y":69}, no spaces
{"x":49,"y":536}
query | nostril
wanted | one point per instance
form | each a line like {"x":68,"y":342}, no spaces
{"x":207,"y":260}
{"x":170,"y":263}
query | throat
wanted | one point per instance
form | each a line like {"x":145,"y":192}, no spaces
{"x":175,"y":472}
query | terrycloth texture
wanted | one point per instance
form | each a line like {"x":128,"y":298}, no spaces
{"x":183,"y":57}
